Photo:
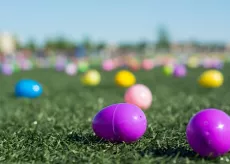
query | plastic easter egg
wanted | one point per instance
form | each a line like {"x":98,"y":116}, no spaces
{"x":60,"y":66}
{"x":83,"y":66}
{"x":7,"y":69}
{"x":168,"y":70}
{"x":139,"y":95}
{"x":217,"y":65}
{"x":208,"y":133}
{"x":207,"y":63}
{"x":193,"y":62}
{"x":28,"y":89}
{"x":125,"y":78}
{"x":134,"y":67}
{"x":179,"y":71}
{"x":91,"y":78}
{"x":27,"y":65}
{"x":16,"y":67}
{"x":71,"y":69}
{"x":120,"y":122}
{"x":108,"y":65}
{"x":211,"y":79}
{"x":147,"y":64}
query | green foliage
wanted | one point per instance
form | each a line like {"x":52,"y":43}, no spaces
{"x":141,"y":46}
{"x":88,"y":44}
{"x":56,"y":128}
{"x":100,"y":46}
{"x":163,"y":42}
{"x":31,"y":45}
{"x":59,"y":43}
{"x":127,"y":46}
{"x":17,"y":42}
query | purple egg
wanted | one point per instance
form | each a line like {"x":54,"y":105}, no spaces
{"x":121,"y":122}
{"x":208,"y":133}
{"x":60,"y":66}
{"x":179,"y":71}
{"x":7,"y":69}
{"x":217,"y":65}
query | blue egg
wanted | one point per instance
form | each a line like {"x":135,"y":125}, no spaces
{"x":28,"y":89}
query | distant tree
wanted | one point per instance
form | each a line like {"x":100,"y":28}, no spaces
{"x":126,"y":47}
{"x":163,"y":42}
{"x":100,"y":46}
{"x":214,"y":47}
{"x":61,"y":43}
{"x":141,"y":46}
{"x":17,"y":42}
{"x":88,"y":45}
{"x":31,"y":45}
{"x":50,"y":45}
{"x":195,"y":44}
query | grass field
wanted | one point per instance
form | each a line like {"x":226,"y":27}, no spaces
{"x":56,"y":128}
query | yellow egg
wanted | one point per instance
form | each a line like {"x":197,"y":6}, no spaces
{"x":211,"y":79}
{"x":91,"y":78}
{"x":125,"y":78}
{"x":193,"y":62}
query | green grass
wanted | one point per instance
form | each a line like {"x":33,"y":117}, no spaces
{"x":56,"y":128}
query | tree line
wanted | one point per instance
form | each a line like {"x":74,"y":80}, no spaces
{"x":161,"y":44}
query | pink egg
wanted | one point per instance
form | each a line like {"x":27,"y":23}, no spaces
{"x":139,"y":95}
{"x":147,"y":64}
{"x":108,"y":65}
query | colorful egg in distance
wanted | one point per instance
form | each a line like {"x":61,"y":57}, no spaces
{"x":71,"y":69}
{"x":16,"y":67}
{"x":208,"y":132}
{"x":179,"y":71}
{"x":211,"y":79}
{"x":125,"y":78}
{"x":83,"y":66}
{"x":147,"y":64}
{"x":28,"y":89}
{"x":193,"y":62}
{"x":91,"y":78}
{"x":139,"y":95}
{"x":134,"y":65}
{"x":120,"y":122}
{"x":108,"y":65}
{"x":7,"y":69}
{"x":168,"y":70}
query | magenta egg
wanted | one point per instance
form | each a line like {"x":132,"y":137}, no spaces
{"x":139,"y":95}
{"x":120,"y":122}
{"x":208,"y":132}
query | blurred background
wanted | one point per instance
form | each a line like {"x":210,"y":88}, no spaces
{"x":113,"y":34}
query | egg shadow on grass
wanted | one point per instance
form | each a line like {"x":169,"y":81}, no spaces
{"x":174,"y":152}
{"x":13,"y":96}
{"x":86,"y":139}
{"x":89,"y":139}
{"x":203,"y":91}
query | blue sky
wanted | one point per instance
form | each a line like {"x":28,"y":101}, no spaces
{"x":116,"y":20}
